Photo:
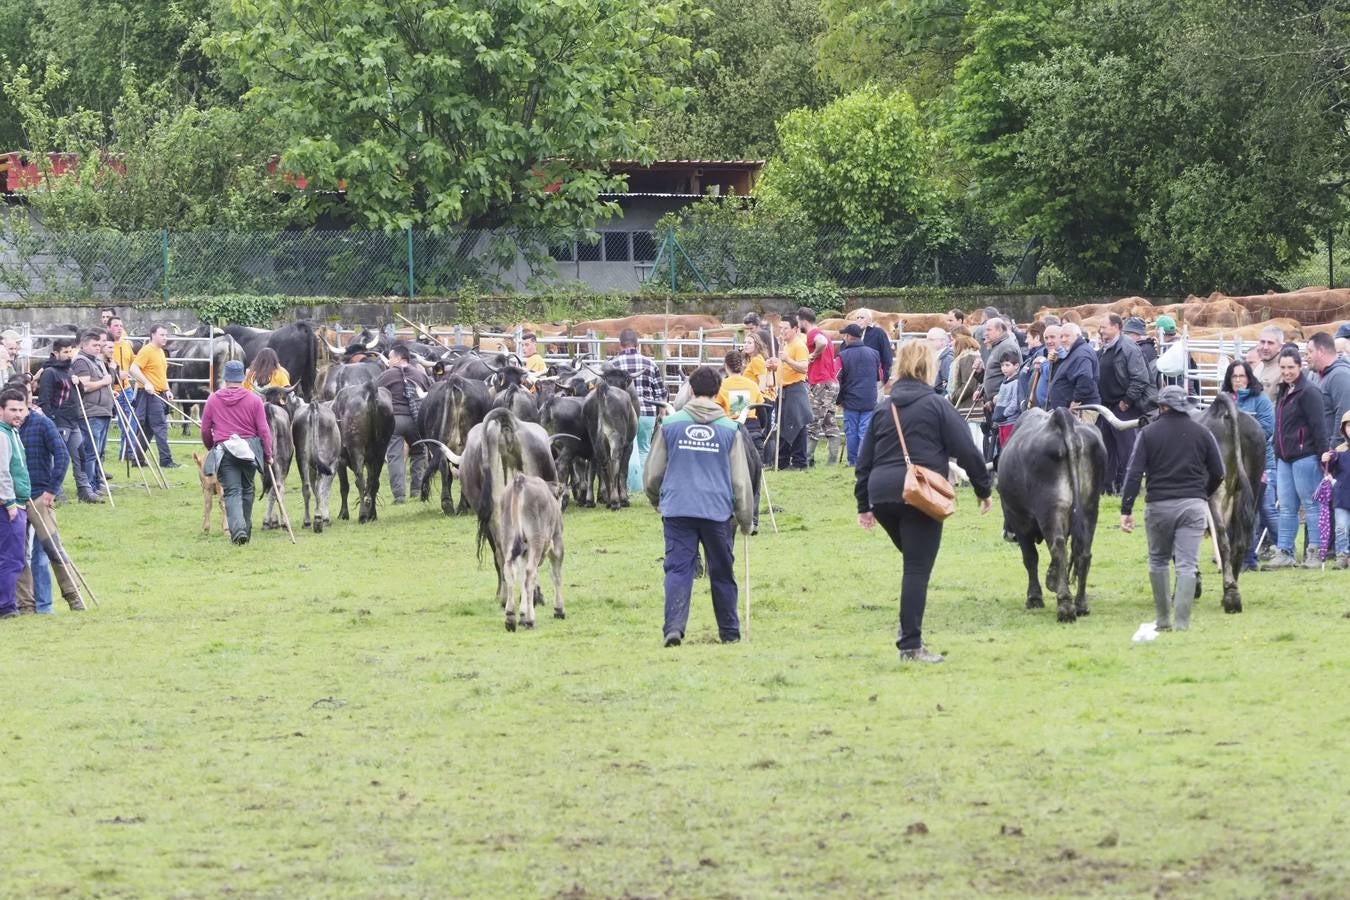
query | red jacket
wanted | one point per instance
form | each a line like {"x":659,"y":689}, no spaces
{"x":233,"y":410}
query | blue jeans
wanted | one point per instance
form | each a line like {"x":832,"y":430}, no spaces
{"x":98,"y":440}
{"x":1297,"y":481}
{"x":154,"y":422}
{"x":75,"y":440}
{"x":855,"y":426}
{"x":1342,"y":530}
{"x":638,"y":460}
{"x":42,"y":576}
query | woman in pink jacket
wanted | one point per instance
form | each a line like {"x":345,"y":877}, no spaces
{"x":233,"y":412}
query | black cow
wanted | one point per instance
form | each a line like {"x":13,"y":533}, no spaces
{"x":318,"y":454}
{"x":451,"y":408}
{"x":509,"y":392}
{"x":496,"y":449}
{"x":297,"y":346}
{"x":348,"y":374}
{"x":562,"y":418}
{"x":365,"y":415}
{"x":611,"y":420}
{"x":252,"y":340}
{"x":1049,"y":478}
{"x":1233,"y":505}
{"x":191,"y":363}
{"x":278,"y":413}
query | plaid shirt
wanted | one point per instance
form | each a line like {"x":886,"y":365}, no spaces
{"x":651,"y":390}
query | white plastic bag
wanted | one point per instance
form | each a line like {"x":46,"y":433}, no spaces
{"x":1173,"y":361}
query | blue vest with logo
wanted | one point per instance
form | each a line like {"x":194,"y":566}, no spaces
{"x":697,"y":482}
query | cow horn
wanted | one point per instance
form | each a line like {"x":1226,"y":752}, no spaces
{"x":563,"y":436}
{"x":451,"y":456}
{"x":421,"y":394}
{"x":423,"y":361}
{"x":373,"y":343}
{"x":1110,"y":417}
{"x":336,"y":351}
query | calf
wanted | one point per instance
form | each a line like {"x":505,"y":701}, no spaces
{"x":610,"y":416}
{"x":318,"y":453}
{"x":278,"y":413}
{"x":211,"y":492}
{"x":528,"y":526}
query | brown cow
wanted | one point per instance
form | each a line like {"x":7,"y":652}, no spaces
{"x":650,"y":325}
{"x":1206,"y":313}
{"x":1125,"y":307}
{"x":1308,"y":306}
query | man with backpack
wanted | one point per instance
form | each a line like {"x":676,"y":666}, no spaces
{"x":403,"y":382}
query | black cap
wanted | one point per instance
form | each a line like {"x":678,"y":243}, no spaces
{"x":851,"y":330}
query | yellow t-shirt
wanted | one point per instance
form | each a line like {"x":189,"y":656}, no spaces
{"x":736,"y":394}
{"x":757,"y":372}
{"x":154,"y":365}
{"x":536,"y":364}
{"x":123,"y":356}
{"x":280,"y":378}
{"x":796,"y":350}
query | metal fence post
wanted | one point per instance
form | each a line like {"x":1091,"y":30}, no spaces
{"x":164,"y":246}
{"x":412,"y":291}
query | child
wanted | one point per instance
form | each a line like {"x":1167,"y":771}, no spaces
{"x":1338,"y":464}
{"x":1008,"y":405}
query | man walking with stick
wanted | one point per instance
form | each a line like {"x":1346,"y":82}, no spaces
{"x":96,"y":402}
{"x":234,"y":429}
{"x":698,"y":477}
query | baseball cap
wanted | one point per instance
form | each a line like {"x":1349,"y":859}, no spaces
{"x":851,"y":330}
{"x":1173,"y":397}
{"x":1343,"y":331}
{"x":1167,"y":324}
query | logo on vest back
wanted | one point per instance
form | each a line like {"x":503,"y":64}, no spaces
{"x":699,"y":438}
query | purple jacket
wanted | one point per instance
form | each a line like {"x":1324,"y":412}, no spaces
{"x":233,"y":410}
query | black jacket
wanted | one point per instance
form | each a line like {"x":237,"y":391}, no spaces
{"x":1300,"y":421}
{"x":935,"y":433}
{"x":1180,"y":458}
{"x":859,"y":371}
{"x":876,"y":338}
{"x":56,"y":394}
{"x":1073,"y":377}
{"x":1124,"y":374}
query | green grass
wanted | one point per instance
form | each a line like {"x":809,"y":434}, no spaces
{"x":348,"y":717}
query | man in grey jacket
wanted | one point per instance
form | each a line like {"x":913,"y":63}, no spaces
{"x":1332,"y":375}
{"x":698,"y":476}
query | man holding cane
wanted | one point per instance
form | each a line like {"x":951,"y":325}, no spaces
{"x":47,"y":459}
{"x":96,"y":398}
{"x":14,"y":496}
{"x":151,"y":369}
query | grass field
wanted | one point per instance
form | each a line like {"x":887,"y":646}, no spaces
{"x":348,"y":717}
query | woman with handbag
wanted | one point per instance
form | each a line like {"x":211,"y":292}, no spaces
{"x":913,"y":434}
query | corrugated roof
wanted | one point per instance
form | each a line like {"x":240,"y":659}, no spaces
{"x":690,"y":162}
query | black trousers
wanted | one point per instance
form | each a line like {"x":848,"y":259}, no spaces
{"x":1119,"y":448}
{"x":918,"y":539}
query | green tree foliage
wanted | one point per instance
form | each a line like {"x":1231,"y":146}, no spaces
{"x":478,"y":112}
{"x":861,"y":169}
{"x":757,"y":63}
{"x":93,"y":42}
{"x":914,"y":44}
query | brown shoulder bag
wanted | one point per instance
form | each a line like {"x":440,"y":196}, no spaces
{"x":925,"y":490}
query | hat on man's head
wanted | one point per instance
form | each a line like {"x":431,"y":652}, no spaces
{"x":234,"y":372}
{"x":851,"y":330}
{"x":1343,"y":331}
{"x":1166,"y":324}
{"x":1135,"y":325}
{"x":1174,"y":397}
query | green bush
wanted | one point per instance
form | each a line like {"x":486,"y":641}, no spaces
{"x":257,"y":310}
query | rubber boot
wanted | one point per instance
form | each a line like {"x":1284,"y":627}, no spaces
{"x":811,"y":451}
{"x":1185,"y":599}
{"x":834,"y":445}
{"x":1162,"y":600}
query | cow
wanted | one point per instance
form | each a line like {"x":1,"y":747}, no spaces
{"x":1233,"y":505}
{"x":675,"y":325}
{"x":341,"y":376}
{"x":278,"y":410}
{"x":510,"y":393}
{"x":452,"y":407}
{"x":609,"y":413}
{"x":1049,"y":477}
{"x":529,"y":527}
{"x":562,"y":418}
{"x":318,"y":454}
{"x":191,"y":363}
{"x":496,"y":449}
{"x":365,"y":415}
{"x":297,"y":346}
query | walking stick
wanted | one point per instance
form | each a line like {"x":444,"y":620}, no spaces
{"x":98,"y":457}
{"x":1214,"y":538}
{"x":128,"y":443}
{"x":281,"y":499}
{"x":143,"y":443}
{"x":747,"y":588}
{"x":61,"y":553}
{"x":178,"y":409}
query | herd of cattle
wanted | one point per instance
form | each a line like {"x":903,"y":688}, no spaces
{"x":520,"y":443}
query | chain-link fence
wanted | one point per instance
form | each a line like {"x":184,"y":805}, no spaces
{"x":685,"y":252}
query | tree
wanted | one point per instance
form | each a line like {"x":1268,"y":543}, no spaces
{"x":758,"y":62}
{"x":474,"y":113}
{"x":910,"y":44}
{"x":860,"y":172}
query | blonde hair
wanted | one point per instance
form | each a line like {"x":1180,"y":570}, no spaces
{"x":916,"y":360}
